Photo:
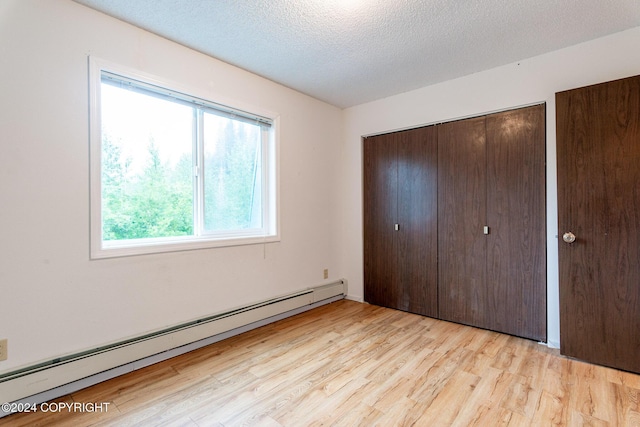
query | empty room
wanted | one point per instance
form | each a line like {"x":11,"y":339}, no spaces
{"x":319,"y":212}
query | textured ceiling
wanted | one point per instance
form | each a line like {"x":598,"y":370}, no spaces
{"x":347,"y":52}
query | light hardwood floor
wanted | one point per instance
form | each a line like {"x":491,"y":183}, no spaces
{"x":354,"y":364}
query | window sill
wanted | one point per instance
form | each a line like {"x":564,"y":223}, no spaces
{"x":152,"y":246}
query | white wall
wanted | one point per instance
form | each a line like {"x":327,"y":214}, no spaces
{"x":529,"y":81}
{"x":53,"y":299}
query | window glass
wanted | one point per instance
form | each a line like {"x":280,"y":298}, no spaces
{"x":147,"y":166}
{"x":171,"y":171}
{"x":232,"y":174}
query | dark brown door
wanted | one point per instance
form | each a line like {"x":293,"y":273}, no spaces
{"x":418,"y":220}
{"x":462,"y":247}
{"x":598,"y":147}
{"x":492,"y":250}
{"x":516,"y":216}
{"x":380,"y":201}
{"x":400,"y":220}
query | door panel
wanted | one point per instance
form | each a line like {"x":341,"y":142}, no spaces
{"x":516,"y":243}
{"x":380,"y":183}
{"x":598,"y":143}
{"x":400,"y":187}
{"x":418,"y":220}
{"x":462,"y":291}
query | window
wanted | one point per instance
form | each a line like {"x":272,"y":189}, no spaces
{"x":171,"y":171}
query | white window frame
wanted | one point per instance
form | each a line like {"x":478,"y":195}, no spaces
{"x":270,"y":232}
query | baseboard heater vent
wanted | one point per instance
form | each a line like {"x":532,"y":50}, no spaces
{"x":64,"y":375}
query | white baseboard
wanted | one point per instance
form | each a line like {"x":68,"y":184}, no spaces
{"x":354,"y":298}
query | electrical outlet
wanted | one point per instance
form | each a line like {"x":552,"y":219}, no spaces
{"x":3,"y":349}
{"x":326,"y":273}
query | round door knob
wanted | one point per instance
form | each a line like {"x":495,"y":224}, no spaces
{"x":569,"y":237}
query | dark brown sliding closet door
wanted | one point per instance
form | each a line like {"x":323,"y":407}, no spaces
{"x":516,"y":243}
{"x":400,"y":220}
{"x":380,"y":201}
{"x":418,"y":220}
{"x":492,"y":228}
{"x":454,"y":221}
{"x":462,"y":196}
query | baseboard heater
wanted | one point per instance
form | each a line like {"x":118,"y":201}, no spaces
{"x":64,"y":375}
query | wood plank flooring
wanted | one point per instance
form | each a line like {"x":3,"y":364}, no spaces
{"x":353,"y":364}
